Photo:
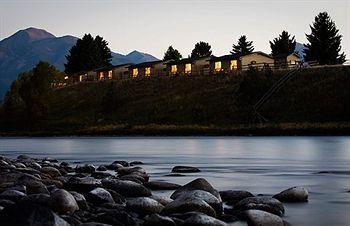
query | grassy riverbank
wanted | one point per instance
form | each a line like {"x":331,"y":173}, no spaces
{"x":315,"y":102}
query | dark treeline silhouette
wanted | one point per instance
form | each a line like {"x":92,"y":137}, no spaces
{"x":172,"y":54}
{"x":243,"y":46}
{"x":201,"y":49}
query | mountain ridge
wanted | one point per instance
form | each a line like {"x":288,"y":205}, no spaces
{"x":24,"y":49}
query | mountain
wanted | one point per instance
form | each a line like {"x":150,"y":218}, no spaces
{"x":24,"y":49}
{"x":299,"y":49}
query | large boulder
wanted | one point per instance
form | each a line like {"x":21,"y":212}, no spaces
{"x":161,"y":185}
{"x":29,"y":214}
{"x":87,"y":168}
{"x":84,"y":184}
{"x":144,"y":205}
{"x":185,"y":169}
{"x":267,"y":204}
{"x":99,"y":196}
{"x":63,"y":202}
{"x":197,"y":184}
{"x":80,"y":199}
{"x":50,"y":171}
{"x":127,"y":188}
{"x":262,"y":218}
{"x":294,"y":194}
{"x":231,"y":197}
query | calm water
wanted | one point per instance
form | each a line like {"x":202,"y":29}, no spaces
{"x":263,"y":165}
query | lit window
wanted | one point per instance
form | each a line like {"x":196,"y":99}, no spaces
{"x":173,"y":69}
{"x":218,"y":66}
{"x":233,"y":65}
{"x":110,"y":74}
{"x":135,"y":72}
{"x":80,"y":78}
{"x":66,"y":77}
{"x":147,"y":71}
{"x":188,"y":68}
{"x":101,"y":75}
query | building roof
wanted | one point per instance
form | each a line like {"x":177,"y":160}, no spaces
{"x":182,"y":61}
{"x":111,"y":67}
{"x":260,"y":53}
{"x":225,"y":57}
{"x":146,"y":64}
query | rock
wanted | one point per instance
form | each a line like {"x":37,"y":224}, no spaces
{"x":30,"y":214}
{"x":19,"y":165}
{"x":117,"y":216}
{"x":188,"y":204}
{"x":127,"y":188}
{"x":158,"y":220}
{"x":102,"y":168}
{"x":267,"y":204}
{"x":175,"y":175}
{"x":51,"y":171}
{"x":40,"y":199}
{"x":12,"y":195}
{"x":94,"y":224}
{"x":162,"y":199}
{"x":185,"y":169}
{"x":161,"y":185}
{"x":6,"y":203}
{"x":99,"y":196}
{"x":37,"y":188}
{"x":80,"y":199}
{"x":209,"y":198}
{"x":136,"y":163}
{"x":123,"y":163}
{"x":23,"y":157}
{"x":197,"y":184}
{"x":100,"y":175}
{"x":144,"y":205}
{"x":231,"y":197}
{"x":198,"y":219}
{"x":118,"y":198}
{"x":84,"y":184}
{"x":87,"y":168}
{"x":63,"y":202}
{"x":294,"y":194}
{"x":262,"y":218}
{"x":48,"y":159}
{"x":114,"y":166}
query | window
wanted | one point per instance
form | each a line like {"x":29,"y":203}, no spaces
{"x":218,"y":66}
{"x":233,"y":65}
{"x":188,"y":68}
{"x":173,"y":69}
{"x":80,"y":78}
{"x":135,"y":72}
{"x":110,"y":74}
{"x":147,"y":71}
{"x":101,"y":75}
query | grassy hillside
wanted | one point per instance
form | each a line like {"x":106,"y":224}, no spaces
{"x":315,"y":100}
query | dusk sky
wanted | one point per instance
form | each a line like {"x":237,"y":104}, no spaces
{"x":152,"y":25}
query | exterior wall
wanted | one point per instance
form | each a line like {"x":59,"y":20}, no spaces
{"x":201,"y":66}
{"x":159,"y":69}
{"x":121,"y":72}
{"x":292,"y":58}
{"x":225,"y":66}
{"x":259,"y":59}
{"x":180,"y":69}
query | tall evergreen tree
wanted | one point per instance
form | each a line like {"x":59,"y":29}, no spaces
{"x":283,"y":45}
{"x":87,"y":54}
{"x":201,"y":49}
{"x":243,"y":46}
{"x":172,"y":54}
{"x":324,"y":41}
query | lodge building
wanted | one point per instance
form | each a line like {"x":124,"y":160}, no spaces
{"x":226,"y":64}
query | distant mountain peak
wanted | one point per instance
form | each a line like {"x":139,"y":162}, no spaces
{"x":33,"y":34}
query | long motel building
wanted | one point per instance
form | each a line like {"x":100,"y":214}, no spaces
{"x":227,"y":64}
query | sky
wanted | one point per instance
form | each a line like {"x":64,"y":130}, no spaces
{"x":152,"y":25}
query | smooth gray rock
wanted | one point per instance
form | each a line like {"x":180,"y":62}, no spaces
{"x":185,"y":169}
{"x":267,"y":204}
{"x":231,"y":197}
{"x":82,"y":185}
{"x":12,"y":195}
{"x":127,"y":188}
{"x":87,"y":168}
{"x":51,"y":171}
{"x":80,"y":199}
{"x":158,"y":220}
{"x":99,"y":196}
{"x":161,"y":185}
{"x":63,"y":202}
{"x":144,"y":205}
{"x":198,"y":219}
{"x":294,"y":194}
{"x":197,"y":184}
{"x":262,"y":218}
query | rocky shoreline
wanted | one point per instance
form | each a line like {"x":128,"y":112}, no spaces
{"x":48,"y":192}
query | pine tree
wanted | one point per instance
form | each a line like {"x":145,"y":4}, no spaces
{"x":324,"y":41}
{"x":243,"y":46}
{"x":172,"y":54}
{"x":87,"y":54}
{"x":283,"y":45}
{"x":201,"y":49}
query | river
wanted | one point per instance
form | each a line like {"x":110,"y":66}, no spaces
{"x":261,"y":165}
